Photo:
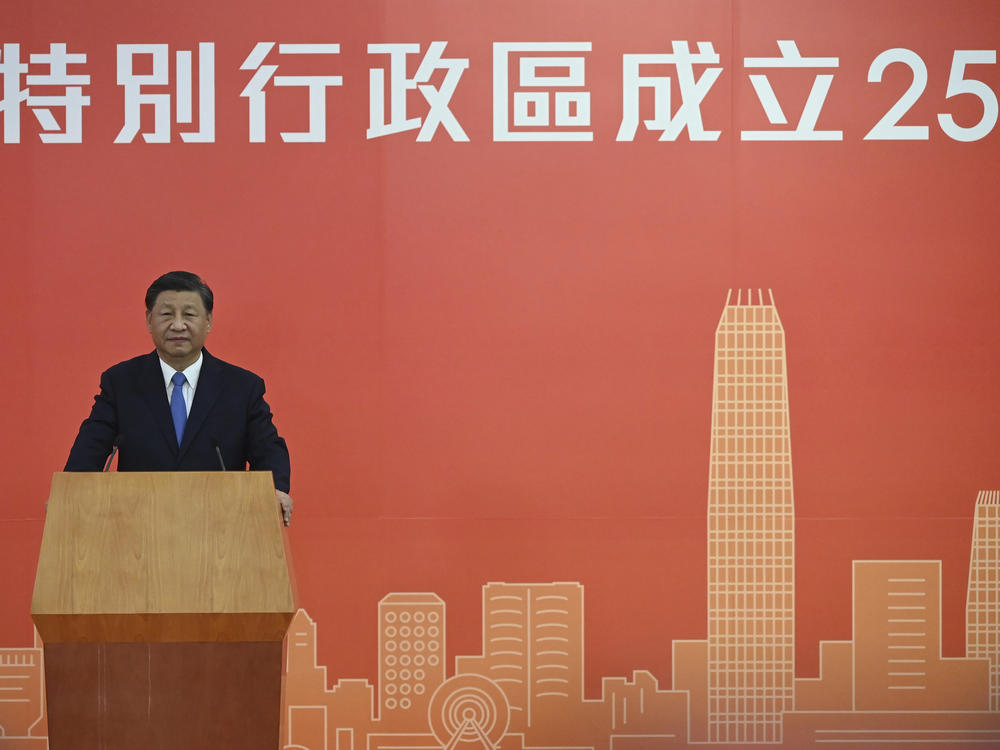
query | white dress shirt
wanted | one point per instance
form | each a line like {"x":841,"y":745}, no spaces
{"x":191,"y":373}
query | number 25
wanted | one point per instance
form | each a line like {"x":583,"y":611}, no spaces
{"x":888,"y":129}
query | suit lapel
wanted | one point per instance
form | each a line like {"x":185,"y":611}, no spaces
{"x":154,"y":392}
{"x":205,"y":396}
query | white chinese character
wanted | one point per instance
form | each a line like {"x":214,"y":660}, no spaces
{"x":135,"y":97}
{"x":399,"y":85}
{"x":317,"y":85}
{"x":531,"y":107}
{"x":805,"y":130}
{"x":70,"y":99}
{"x":688,"y":114}
{"x":11,"y":69}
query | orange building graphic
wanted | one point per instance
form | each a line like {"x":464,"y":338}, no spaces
{"x":314,"y":716}
{"x":411,"y":657}
{"x":22,"y":698}
{"x":895,"y":626}
{"x":982,"y":610}
{"x":532,"y":648}
{"x":897,"y":643}
{"x":751,"y":529}
{"x":888,"y":686}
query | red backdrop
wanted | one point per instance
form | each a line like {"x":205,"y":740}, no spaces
{"x":493,"y":361}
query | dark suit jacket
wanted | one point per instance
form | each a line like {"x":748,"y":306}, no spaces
{"x":229,"y":411}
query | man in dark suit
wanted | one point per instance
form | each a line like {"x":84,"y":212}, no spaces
{"x":179,"y":408}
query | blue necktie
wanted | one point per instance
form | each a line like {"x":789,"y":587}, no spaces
{"x":177,"y":406}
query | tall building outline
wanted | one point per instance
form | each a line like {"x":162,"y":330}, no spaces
{"x":751,"y":528}
{"x":982,"y":609}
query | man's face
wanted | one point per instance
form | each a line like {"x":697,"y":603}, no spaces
{"x":179,"y":324}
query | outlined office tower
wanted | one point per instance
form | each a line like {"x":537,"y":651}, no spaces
{"x":751,"y":528}
{"x":22,"y":698}
{"x":982,"y":608}
{"x":533,"y":649}
{"x":898,"y":661}
{"x":411,"y":657}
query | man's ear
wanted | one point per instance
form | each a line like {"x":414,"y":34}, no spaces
{"x":209,"y":328}
{"x":149,"y":320}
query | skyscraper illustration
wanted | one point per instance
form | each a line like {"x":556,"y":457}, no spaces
{"x":532,"y":648}
{"x":22,"y":698}
{"x":898,"y":664}
{"x":411,"y":656}
{"x":982,"y":608}
{"x":751,"y":528}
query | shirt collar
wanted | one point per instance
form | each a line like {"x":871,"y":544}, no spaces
{"x":191,"y":372}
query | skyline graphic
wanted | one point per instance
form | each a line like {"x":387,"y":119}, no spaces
{"x":889,"y":685}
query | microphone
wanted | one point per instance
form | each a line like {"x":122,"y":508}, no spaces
{"x":114,"y":450}
{"x":218,"y":452}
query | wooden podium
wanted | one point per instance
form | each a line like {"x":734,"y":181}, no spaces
{"x":162,"y":600}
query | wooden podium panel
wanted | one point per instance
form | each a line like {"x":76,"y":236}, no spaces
{"x":162,"y":599}
{"x":162,"y":556}
{"x":163,"y":696}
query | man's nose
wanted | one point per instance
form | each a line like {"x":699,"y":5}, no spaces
{"x":177,"y":323}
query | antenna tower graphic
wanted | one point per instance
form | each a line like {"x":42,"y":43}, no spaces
{"x":469,"y":712}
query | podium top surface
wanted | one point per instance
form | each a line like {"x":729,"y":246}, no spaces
{"x":161,"y":543}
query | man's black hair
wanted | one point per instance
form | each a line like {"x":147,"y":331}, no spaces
{"x":179,"y":281}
